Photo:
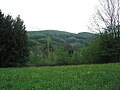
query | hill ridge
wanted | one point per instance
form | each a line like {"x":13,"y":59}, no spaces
{"x":59,"y":37}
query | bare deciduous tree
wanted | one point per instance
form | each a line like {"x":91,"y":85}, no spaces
{"x":107,"y":24}
{"x":106,"y":18}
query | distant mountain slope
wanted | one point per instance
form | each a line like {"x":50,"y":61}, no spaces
{"x":58,"y":37}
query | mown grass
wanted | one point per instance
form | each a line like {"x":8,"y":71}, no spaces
{"x":81,"y":77}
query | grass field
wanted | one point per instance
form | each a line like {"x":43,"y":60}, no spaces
{"x":81,"y":77}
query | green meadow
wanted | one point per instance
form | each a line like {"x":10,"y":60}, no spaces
{"x":80,"y":77}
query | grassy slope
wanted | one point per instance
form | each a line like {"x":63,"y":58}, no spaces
{"x":82,"y":77}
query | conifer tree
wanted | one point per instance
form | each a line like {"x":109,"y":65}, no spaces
{"x":13,"y":41}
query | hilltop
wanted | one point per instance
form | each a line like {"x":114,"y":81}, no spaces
{"x":58,"y":37}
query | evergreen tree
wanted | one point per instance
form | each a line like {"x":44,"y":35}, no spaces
{"x":20,"y":41}
{"x":1,"y":19}
{"x":13,"y":41}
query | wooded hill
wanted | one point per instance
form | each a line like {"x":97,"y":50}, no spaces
{"x":58,"y":38}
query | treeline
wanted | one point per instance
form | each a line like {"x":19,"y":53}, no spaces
{"x":56,"y":48}
{"x":49,"y":54}
{"x":52,"y":47}
{"x":103,"y":48}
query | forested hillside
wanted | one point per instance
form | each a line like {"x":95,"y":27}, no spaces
{"x":53,"y":47}
{"x":58,"y":37}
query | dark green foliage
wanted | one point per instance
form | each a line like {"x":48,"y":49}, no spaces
{"x":99,"y":50}
{"x":13,"y":42}
{"x":20,"y":41}
{"x":91,"y":53}
{"x":1,"y":19}
{"x":105,"y":48}
{"x":110,"y":45}
{"x":69,"y":49}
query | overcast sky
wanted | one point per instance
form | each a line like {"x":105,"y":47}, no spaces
{"x":65,"y":15}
